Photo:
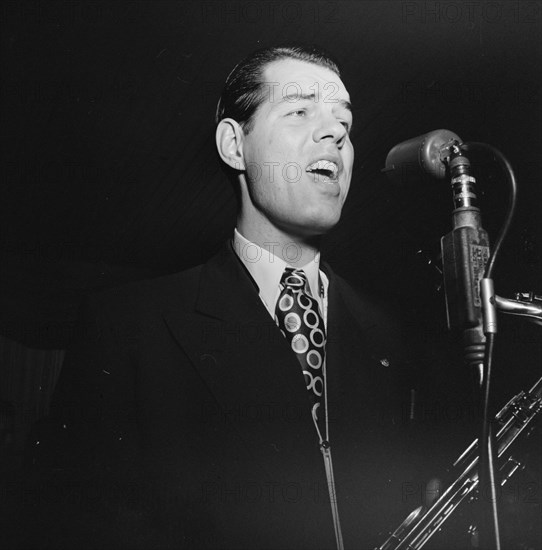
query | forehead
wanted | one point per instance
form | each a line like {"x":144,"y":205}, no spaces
{"x":290,"y":76}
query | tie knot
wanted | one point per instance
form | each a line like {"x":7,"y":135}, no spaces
{"x":294,"y":279}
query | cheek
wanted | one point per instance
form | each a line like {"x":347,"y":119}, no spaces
{"x":350,"y":155}
{"x":254,"y":173}
{"x":265,"y":190}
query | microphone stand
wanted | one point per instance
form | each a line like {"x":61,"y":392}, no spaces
{"x":477,"y":291}
{"x":465,"y":255}
{"x":490,"y":536}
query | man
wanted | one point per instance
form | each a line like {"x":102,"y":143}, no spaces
{"x":196,"y":412}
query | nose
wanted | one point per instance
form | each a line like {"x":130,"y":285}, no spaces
{"x":330,"y":128}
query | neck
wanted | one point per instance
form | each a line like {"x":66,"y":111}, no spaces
{"x":295,"y":250}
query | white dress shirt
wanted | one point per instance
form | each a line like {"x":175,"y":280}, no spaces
{"x":266,"y":269}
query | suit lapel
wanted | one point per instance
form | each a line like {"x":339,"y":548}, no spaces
{"x":364,"y":363}
{"x":348,"y":347}
{"x":245,"y":361}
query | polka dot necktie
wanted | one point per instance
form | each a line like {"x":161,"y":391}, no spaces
{"x":300,"y":322}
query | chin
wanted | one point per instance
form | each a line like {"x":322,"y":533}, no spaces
{"x":312,"y":224}
{"x":327,"y":221}
{"x":321,"y":226}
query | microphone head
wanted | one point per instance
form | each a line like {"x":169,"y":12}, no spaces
{"x":420,"y":157}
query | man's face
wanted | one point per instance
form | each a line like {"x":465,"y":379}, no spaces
{"x":298,"y":155}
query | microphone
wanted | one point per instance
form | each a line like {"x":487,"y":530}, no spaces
{"x":421,"y":157}
{"x":465,"y":250}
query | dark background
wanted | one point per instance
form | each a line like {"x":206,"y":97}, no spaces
{"x":109,"y":169}
{"x":109,"y":172}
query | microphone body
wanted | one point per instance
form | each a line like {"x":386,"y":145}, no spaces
{"x":465,"y":253}
{"x":465,"y":250}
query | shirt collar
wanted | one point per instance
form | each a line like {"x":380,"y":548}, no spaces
{"x":266,"y":269}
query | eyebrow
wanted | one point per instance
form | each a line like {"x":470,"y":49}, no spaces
{"x":291,"y":98}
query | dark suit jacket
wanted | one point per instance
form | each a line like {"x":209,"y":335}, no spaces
{"x":182,"y":421}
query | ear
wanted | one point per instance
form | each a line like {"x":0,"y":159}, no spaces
{"x":229,"y":142}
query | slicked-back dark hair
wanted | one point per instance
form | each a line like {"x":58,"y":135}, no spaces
{"x":244,"y":90}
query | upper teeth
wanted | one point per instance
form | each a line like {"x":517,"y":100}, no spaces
{"x":324,"y":165}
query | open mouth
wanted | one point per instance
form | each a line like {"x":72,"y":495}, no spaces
{"x":325,"y":171}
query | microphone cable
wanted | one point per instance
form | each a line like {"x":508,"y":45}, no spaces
{"x":486,"y":442}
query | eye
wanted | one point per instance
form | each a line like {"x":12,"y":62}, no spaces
{"x":298,"y":113}
{"x":347,"y":125}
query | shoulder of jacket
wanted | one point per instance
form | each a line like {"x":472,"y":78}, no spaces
{"x":146,"y":295}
